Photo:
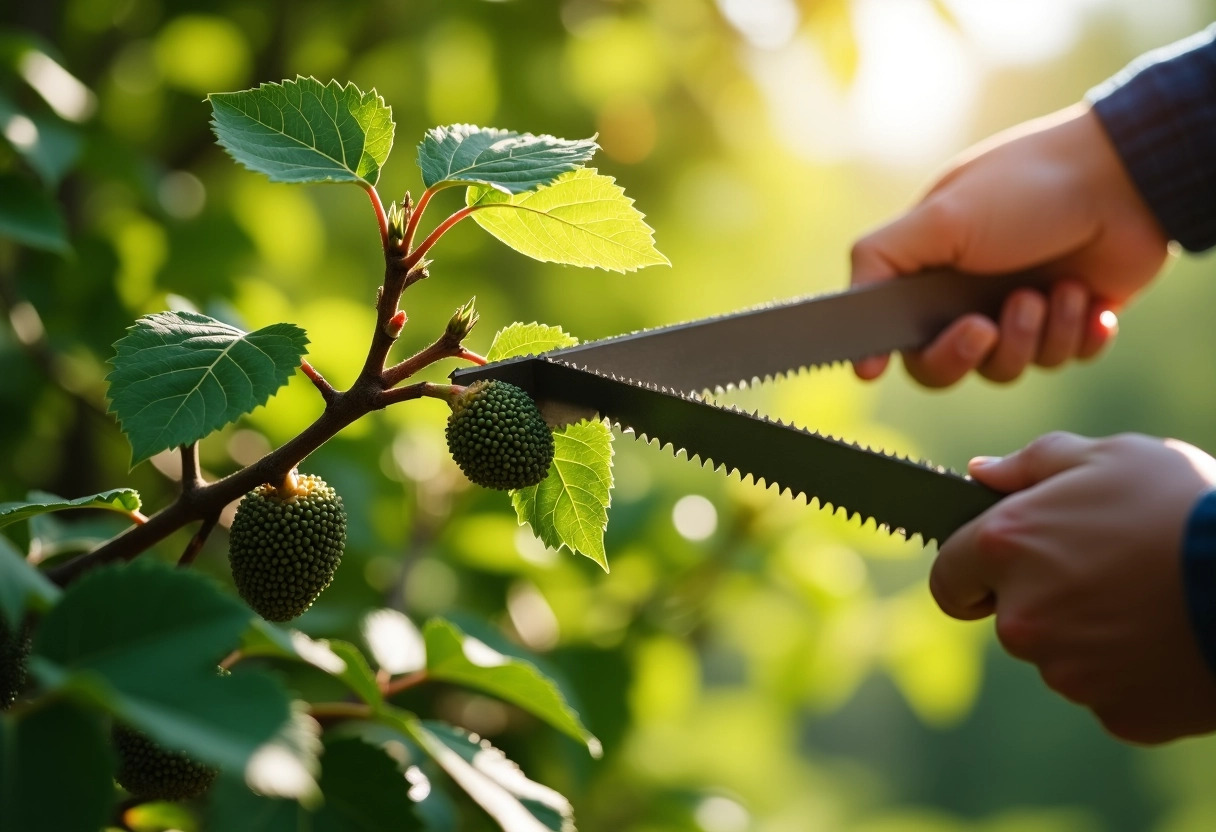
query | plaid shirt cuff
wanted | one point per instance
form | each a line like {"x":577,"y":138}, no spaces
{"x":1161,"y":114}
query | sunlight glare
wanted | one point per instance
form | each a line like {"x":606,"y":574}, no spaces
{"x":766,"y":24}
{"x":1025,"y":32}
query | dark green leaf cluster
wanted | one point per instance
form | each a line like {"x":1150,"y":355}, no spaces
{"x":14,"y":661}
{"x":150,"y":772}
{"x":284,"y":550}
{"x":498,"y":437}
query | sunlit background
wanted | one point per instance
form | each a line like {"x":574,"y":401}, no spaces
{"x":750,"y":663}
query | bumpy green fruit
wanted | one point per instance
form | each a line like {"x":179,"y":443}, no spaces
{"x":149,"y":772}
{"x":498,"y":437}
{"x":285,"y":544}
{"x":14,"y":662}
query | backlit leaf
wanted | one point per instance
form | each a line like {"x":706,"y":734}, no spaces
{"x":122,"y":500}
{"x":582,"y":219}
{"x":570,"y":506}
{"x":178,"y":376}
{"x":528,"y":339}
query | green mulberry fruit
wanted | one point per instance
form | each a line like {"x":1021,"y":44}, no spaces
{"x":149,"y":772}
{"x":14,"y":662}
{"x":285,"y":544}
{"x":498,"y":437}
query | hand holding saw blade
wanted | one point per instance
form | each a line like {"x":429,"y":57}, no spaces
{"x":651,"y":382}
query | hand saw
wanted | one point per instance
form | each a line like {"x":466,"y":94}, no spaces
{"x":651,"y":382}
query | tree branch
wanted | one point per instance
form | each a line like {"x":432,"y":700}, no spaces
{"x":417,"y":254}
{"x":326,"y":389}
{"x":414,"y":391}
{"x":403,"y":683}
{"x":211,"y":499}
{"x":381,"y":217}
{"x":411,"y":226}
{"x":441,"y":349}
{"x":191,"y":479}
{"x":196,"y":543}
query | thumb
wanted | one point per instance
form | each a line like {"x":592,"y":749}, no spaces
{"x":930,"y":234}
{"x":927,"y":235}
{"x":1044,"y":457}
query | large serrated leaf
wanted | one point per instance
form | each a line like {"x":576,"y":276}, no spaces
{"x":305,"y":131}
{"x":178,"y":376}
{"x":528,"y":339}
{"x":122,"y":500}
{"x":452,"y":656}
{"x":582,"y":219}
{"x":56,"y":771}
{"x":516,"y":803}
{"x":570,"y":506}
{"x":143,"y":641}
{"x":510,"y":162}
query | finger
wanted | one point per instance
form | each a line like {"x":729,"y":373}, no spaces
{"x":964,"y":345}
{"x":958,"y":580}
{"x":1102,"y":328}
{"x":871,"y":368}
{"x":929,"y":234}
{"x":1044,"y":457}
{"x":1067,"y":320}
{"x":1021,"y":327}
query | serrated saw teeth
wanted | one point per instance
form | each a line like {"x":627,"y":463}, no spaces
{"x":893,"y":491}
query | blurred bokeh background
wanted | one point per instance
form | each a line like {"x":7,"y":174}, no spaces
{"x":750,"y":663}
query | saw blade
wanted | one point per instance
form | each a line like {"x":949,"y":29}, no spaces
{"x":769,"y":341}
{"x":895,"y":492}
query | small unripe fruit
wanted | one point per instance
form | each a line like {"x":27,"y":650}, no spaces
{"x":285,"y":544}
{"x":498,"y":437}
{"x":149,"y":772}
{"x":14,"y":662}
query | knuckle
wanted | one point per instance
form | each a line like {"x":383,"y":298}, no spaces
{"x":941,"y":215}
{"x":1047,"y":445}
{"x":1019,"y":635}
{"x":997,"y":538}
{"x":1067,"y":681}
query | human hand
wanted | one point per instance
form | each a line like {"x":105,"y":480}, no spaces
{"x":1051,"y":195}
{"x":1081,"y":565}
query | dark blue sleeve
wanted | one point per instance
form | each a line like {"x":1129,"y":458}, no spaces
{"x":1199,"y":573}
{"x":1161,"y":114}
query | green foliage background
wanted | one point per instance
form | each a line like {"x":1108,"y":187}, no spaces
{"x":789,"y":663}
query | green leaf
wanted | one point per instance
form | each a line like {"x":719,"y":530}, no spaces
{"x":363,"y":788}
{"x":570,"y":506}
{"x":305,"y":131}
{"x":30,"y":216}
{"x":340,"y":659}
{"x":452,"y":656}
{"x":22,"y":586}
{"x":178,"y":376}
{"x":516,"y":803}
{"x":582,"y":219}
{"x":528,"y":339}
{"x":55,"y":770}
{"x":122,"y":500}
{"x":143,"y":642}
{"x":462,"y":154}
